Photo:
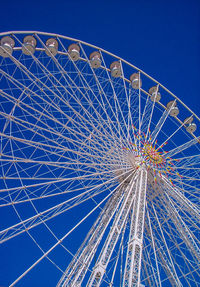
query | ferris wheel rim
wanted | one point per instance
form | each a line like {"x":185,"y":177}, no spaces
{"x":112,"y":55}
{"x":72,"y":39}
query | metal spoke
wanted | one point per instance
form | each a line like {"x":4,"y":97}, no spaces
{"x":93,"y":147}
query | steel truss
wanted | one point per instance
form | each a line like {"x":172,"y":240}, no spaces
{"x":127,"y":200}
{"x":86,"y":132}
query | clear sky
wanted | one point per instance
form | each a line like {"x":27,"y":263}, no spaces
{"x":160,"y":37}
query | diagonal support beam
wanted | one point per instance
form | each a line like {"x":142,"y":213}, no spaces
{"x":119,"y":221}
{"x":134,"y":250}
{"x":79,"y":266}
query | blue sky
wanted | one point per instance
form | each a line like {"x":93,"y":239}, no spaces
{"x":160,"y":37}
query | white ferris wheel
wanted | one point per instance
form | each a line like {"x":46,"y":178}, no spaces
{"x":99,"y":169}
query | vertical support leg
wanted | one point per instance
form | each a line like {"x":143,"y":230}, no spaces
{"x":134,"y":250}
{"x":113,"y":236}
{"x":81,"y":261}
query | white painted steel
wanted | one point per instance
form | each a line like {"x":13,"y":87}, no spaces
{"x":80,"y":136}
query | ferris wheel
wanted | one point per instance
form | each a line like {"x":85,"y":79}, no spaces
{"x":99,"y":169}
